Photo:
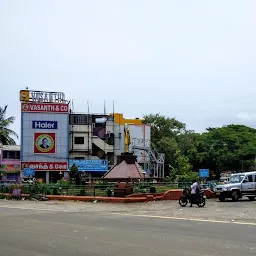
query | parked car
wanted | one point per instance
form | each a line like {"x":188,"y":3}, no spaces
{"x":239,"y":185}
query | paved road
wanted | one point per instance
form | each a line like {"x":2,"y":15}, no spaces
{"x":50,"y":233}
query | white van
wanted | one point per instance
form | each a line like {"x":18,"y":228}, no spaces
{"x":239,"y":185}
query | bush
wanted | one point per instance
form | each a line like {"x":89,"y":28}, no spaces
{"x":82,"y":192}
{"x":152,"y":190}
{"x":2,"y":197}
{"x":55,"y":191}
{"x":109,"y":192}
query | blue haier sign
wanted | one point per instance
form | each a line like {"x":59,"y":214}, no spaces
{"x":44,"y":124}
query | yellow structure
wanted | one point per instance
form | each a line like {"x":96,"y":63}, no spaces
{"x":24,"y":95}
{"x":119,"y":119}
{"x":127,"y":138}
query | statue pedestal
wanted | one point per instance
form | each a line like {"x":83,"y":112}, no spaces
{"x":129,"y":158}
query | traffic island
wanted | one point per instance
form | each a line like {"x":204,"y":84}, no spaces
{"x":134,"y":198}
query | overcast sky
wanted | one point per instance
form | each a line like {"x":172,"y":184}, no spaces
{"x":193,"y":60}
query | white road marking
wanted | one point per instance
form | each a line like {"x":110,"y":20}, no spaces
{"x":132,"y":215}
{"x":187,"y":219}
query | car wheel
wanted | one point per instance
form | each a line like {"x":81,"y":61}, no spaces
{"x":251,"y":198}
{"x":235,"y":196}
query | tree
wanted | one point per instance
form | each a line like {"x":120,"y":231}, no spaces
{"x":162,"y":126}
{"x":170,"y":136}
{"x":231,"y":147}
{"x":74,"y":174}
{"x":5,"y":131}
{"x":164,"y":132}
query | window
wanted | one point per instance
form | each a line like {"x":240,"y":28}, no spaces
{"x":5,"y":155}
{"x":79,"y":119}
{"x":79,"y":140}
{"x":250,"y":178}
{"x":11,"y":154}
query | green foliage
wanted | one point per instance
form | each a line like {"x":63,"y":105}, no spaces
{"x":2,"y":196}
{"x":73,"y":172}
{"x":231,"y":147}
{"x":5,"y":132}
{"x":109,"y":192}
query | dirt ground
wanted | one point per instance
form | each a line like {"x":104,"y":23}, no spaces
{"x":242,"y":211}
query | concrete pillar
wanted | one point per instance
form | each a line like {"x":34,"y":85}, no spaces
{"x":47,"y":178}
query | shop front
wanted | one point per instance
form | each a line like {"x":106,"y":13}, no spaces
{"x":10,"y":171}
{"x":46,"y":172}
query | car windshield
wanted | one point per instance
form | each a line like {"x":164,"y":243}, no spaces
{"x":236,"y":179}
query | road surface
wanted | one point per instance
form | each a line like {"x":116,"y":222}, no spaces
{"x":31,"y":232}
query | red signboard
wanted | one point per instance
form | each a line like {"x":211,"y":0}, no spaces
{"x":44,"y":143}
{"x":45,"y":166}
{"x":44,"y":107}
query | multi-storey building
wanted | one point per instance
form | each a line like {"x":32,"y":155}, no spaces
{"x":10,"y":163}
{"x":101,"y":137}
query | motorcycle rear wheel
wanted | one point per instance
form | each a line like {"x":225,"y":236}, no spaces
{"x":202,"y":203}
{"x":183,"y":201}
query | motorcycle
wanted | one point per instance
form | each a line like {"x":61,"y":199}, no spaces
{"x":186,"y":198}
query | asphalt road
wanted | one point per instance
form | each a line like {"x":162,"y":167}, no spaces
{"x":26,"y":232}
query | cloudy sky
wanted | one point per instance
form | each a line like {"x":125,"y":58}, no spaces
{"x":193,"y":60}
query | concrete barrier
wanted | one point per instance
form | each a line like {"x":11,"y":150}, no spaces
{"x":173,"y":194}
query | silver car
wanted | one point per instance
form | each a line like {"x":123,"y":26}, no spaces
{"x":239,"y":185}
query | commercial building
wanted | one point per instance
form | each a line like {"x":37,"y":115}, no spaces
{"x":100,"y":137}
{"x":10,"y":163}
{"x":44,"y":134}
{"x":53,"y":139}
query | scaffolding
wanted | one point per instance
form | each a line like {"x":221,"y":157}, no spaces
{"x":153,"y":161}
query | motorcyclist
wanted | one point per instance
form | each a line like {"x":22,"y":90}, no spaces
{"x":195,"y":190}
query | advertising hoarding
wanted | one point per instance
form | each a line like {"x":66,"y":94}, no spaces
{"x":29,"y":172}
{"x":45,"y":166}
{"x":42,"y":96}
{"x":90,"y":165}
{"x":44,"y":132}
{"x":44,"y":124}
{"x":10,"y":168}
{"x":44,"y":143}
{"x":45,"y":107}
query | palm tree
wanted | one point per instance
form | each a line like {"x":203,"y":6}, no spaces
{"x":5,"y":132}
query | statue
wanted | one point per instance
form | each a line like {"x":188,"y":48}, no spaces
{"x":127,"y":140}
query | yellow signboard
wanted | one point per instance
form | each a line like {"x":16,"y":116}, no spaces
{"x":24,"y":95}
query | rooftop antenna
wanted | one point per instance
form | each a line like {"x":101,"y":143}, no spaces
{"x":90,"y":131}
{"x":72,"y":106}
{"x":104,"y":107}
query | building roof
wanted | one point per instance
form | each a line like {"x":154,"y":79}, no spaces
{"x":125,"y":171}
{"x":11,"y":147}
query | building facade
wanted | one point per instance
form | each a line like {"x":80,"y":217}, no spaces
{"x":10,"y":163}
{"x":53,"y":139}
{"x":44,"y":135}
{"x":101,"y":138}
